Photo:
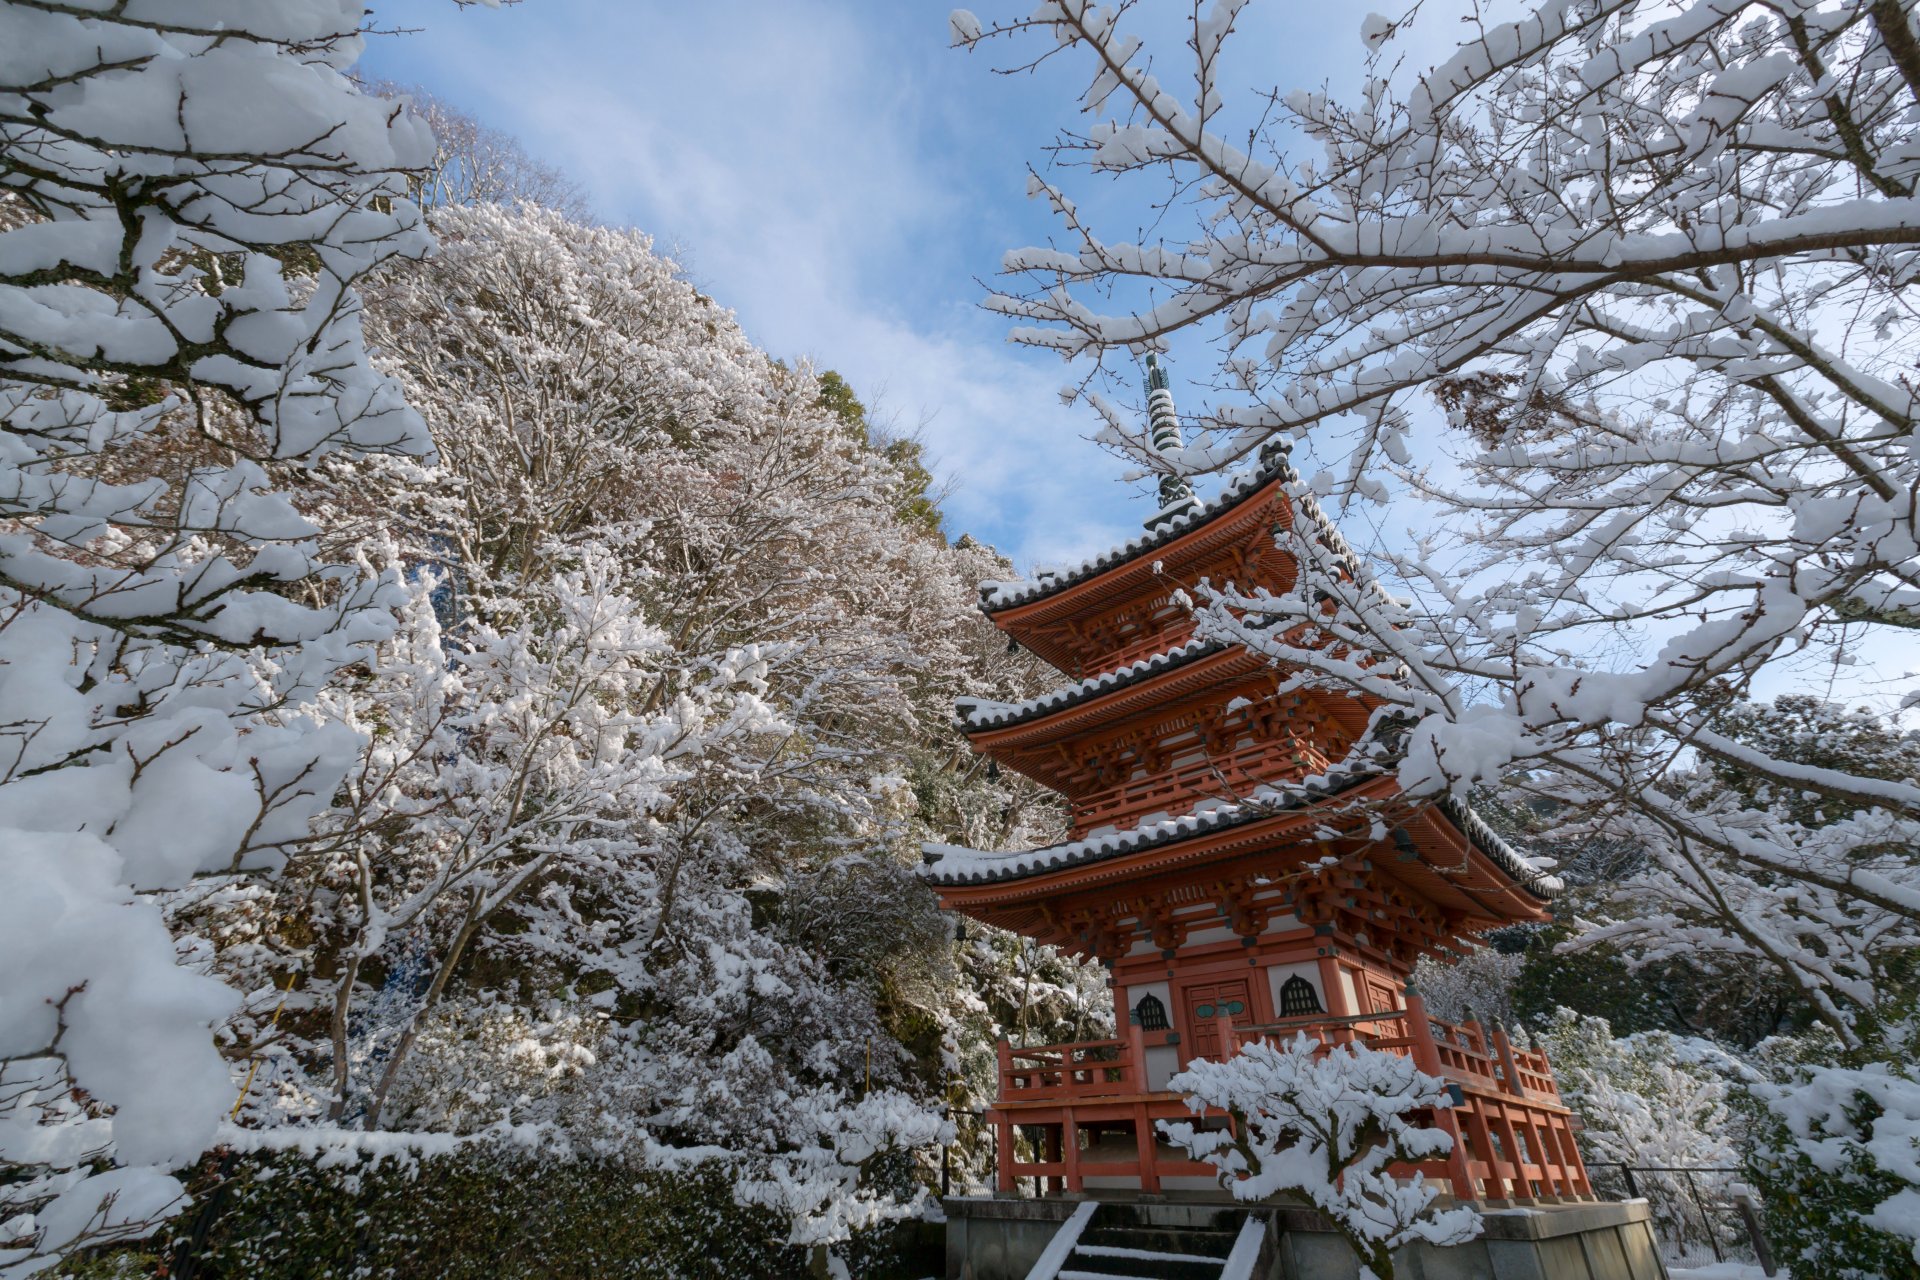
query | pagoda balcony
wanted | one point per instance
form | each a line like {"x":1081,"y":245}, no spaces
{"x":1513,"y":1137}
{"x":1200,"y":776}
{"x":1467,"y":1055}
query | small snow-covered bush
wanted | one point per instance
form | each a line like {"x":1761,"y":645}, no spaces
{"x":1651,"y":1100}
{"x":1327,"y":1126}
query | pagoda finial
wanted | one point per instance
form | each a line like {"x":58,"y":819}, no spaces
{"x":1163,"y":432}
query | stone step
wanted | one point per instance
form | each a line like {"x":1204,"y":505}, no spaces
{"x":1200,"y":1242}
{"x":1141,"y":1264}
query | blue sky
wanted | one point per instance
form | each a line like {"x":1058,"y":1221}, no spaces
{"x":845,"y":182}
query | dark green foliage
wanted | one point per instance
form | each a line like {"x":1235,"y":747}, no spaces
{"x":1718,"y":997}
{"x":1813,"y":1216}
{"x":479,"y":1215}
{"x":918,"y":505}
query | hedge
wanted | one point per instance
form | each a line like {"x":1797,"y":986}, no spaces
{"x":482,"y":1214}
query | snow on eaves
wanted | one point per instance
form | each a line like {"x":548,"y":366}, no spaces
{"x":958,"y":865}
{"x":984,"y":713}
{"x":995,"y":596}
{"x":1003,"y":595}
{"x":955,"y":864}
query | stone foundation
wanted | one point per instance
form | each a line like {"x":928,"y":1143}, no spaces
{"x":1000,"y":1238}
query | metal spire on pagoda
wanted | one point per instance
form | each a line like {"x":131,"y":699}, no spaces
{"x":1163,"y":433}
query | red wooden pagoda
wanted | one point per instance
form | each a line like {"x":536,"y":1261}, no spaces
{"x":1237,"y":874}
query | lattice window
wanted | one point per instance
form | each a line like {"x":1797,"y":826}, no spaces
{"x":1150,"y":1014}
{"x":1297,"y":997}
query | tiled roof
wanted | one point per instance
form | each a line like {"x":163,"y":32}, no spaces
{"x":982,"y":713}
{"x":1004,"y":595}
{"x":1276,"y":465}
{"x":954,"y":864}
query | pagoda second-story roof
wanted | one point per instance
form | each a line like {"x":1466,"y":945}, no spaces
{"x":1362,"y":773}
{"x":974,"y":715}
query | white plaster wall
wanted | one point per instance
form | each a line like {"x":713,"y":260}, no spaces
{"x":1133,"y":995}
{"x":1277,"y":974}
{"x":1163,"y":1061}
{"x":1217,"y":933}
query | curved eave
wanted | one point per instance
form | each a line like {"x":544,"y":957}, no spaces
{"x":1482,"y":878}
{"x":1197,"y":836}
{"x":1108,"y":698}
{"x":1129,"y":567}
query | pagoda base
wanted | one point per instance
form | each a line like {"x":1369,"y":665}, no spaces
{"x":1001,"y":1237}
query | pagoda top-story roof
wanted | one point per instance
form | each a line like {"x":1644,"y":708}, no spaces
{"x":1274,"y":469}
{"x":995,"y":596}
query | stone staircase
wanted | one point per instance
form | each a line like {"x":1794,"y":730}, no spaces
{"x":1118,"y":1242}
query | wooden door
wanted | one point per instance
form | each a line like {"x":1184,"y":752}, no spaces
{"x":1383,"y":997}
{"x":1205,"y":1003}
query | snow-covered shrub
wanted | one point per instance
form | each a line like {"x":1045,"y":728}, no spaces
{"x":1653,"y":1098}
{"x":1477,"y":986}
{"x":1326,"y":1124}
{"x":1834,"y":1152}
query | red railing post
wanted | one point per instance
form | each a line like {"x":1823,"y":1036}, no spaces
{"x":1227,"y":1045}
{"x":1136,"y":1073}
{"x":1426,"y":1056}
{"x":1504,"y":1049}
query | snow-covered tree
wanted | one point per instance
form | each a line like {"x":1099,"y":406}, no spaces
{"x":188,"y":200}
{"x":627,"y":854}
{"x":1326,"y":1124}
{"x":1840,"y":950}
{"x":1834,"y":1151}
{"x":1651,"y":261}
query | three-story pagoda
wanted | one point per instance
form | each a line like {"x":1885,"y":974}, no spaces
{"x":1240,"y":869}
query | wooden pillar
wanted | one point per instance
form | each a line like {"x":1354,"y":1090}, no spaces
{"x":1224,"y":1029}
{"x":1070,"y":1150}
{"x":1051,"y":1153}
{"x":1337,"y":1004}
{"x":1426,"y":1056}
{"x":1136,"y":1072}
{"x":1149,"y":1149}
{"x":1335,"y":989}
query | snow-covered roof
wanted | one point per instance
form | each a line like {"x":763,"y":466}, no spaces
{"x":984,"y":713}
{"x":1004,"y":595}
{"x":955,"y":864}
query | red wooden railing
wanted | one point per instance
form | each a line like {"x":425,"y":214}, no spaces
{"x":1172,"y":789}
{"x":1512,"y":1138}
{"x":1090,"y":1069}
